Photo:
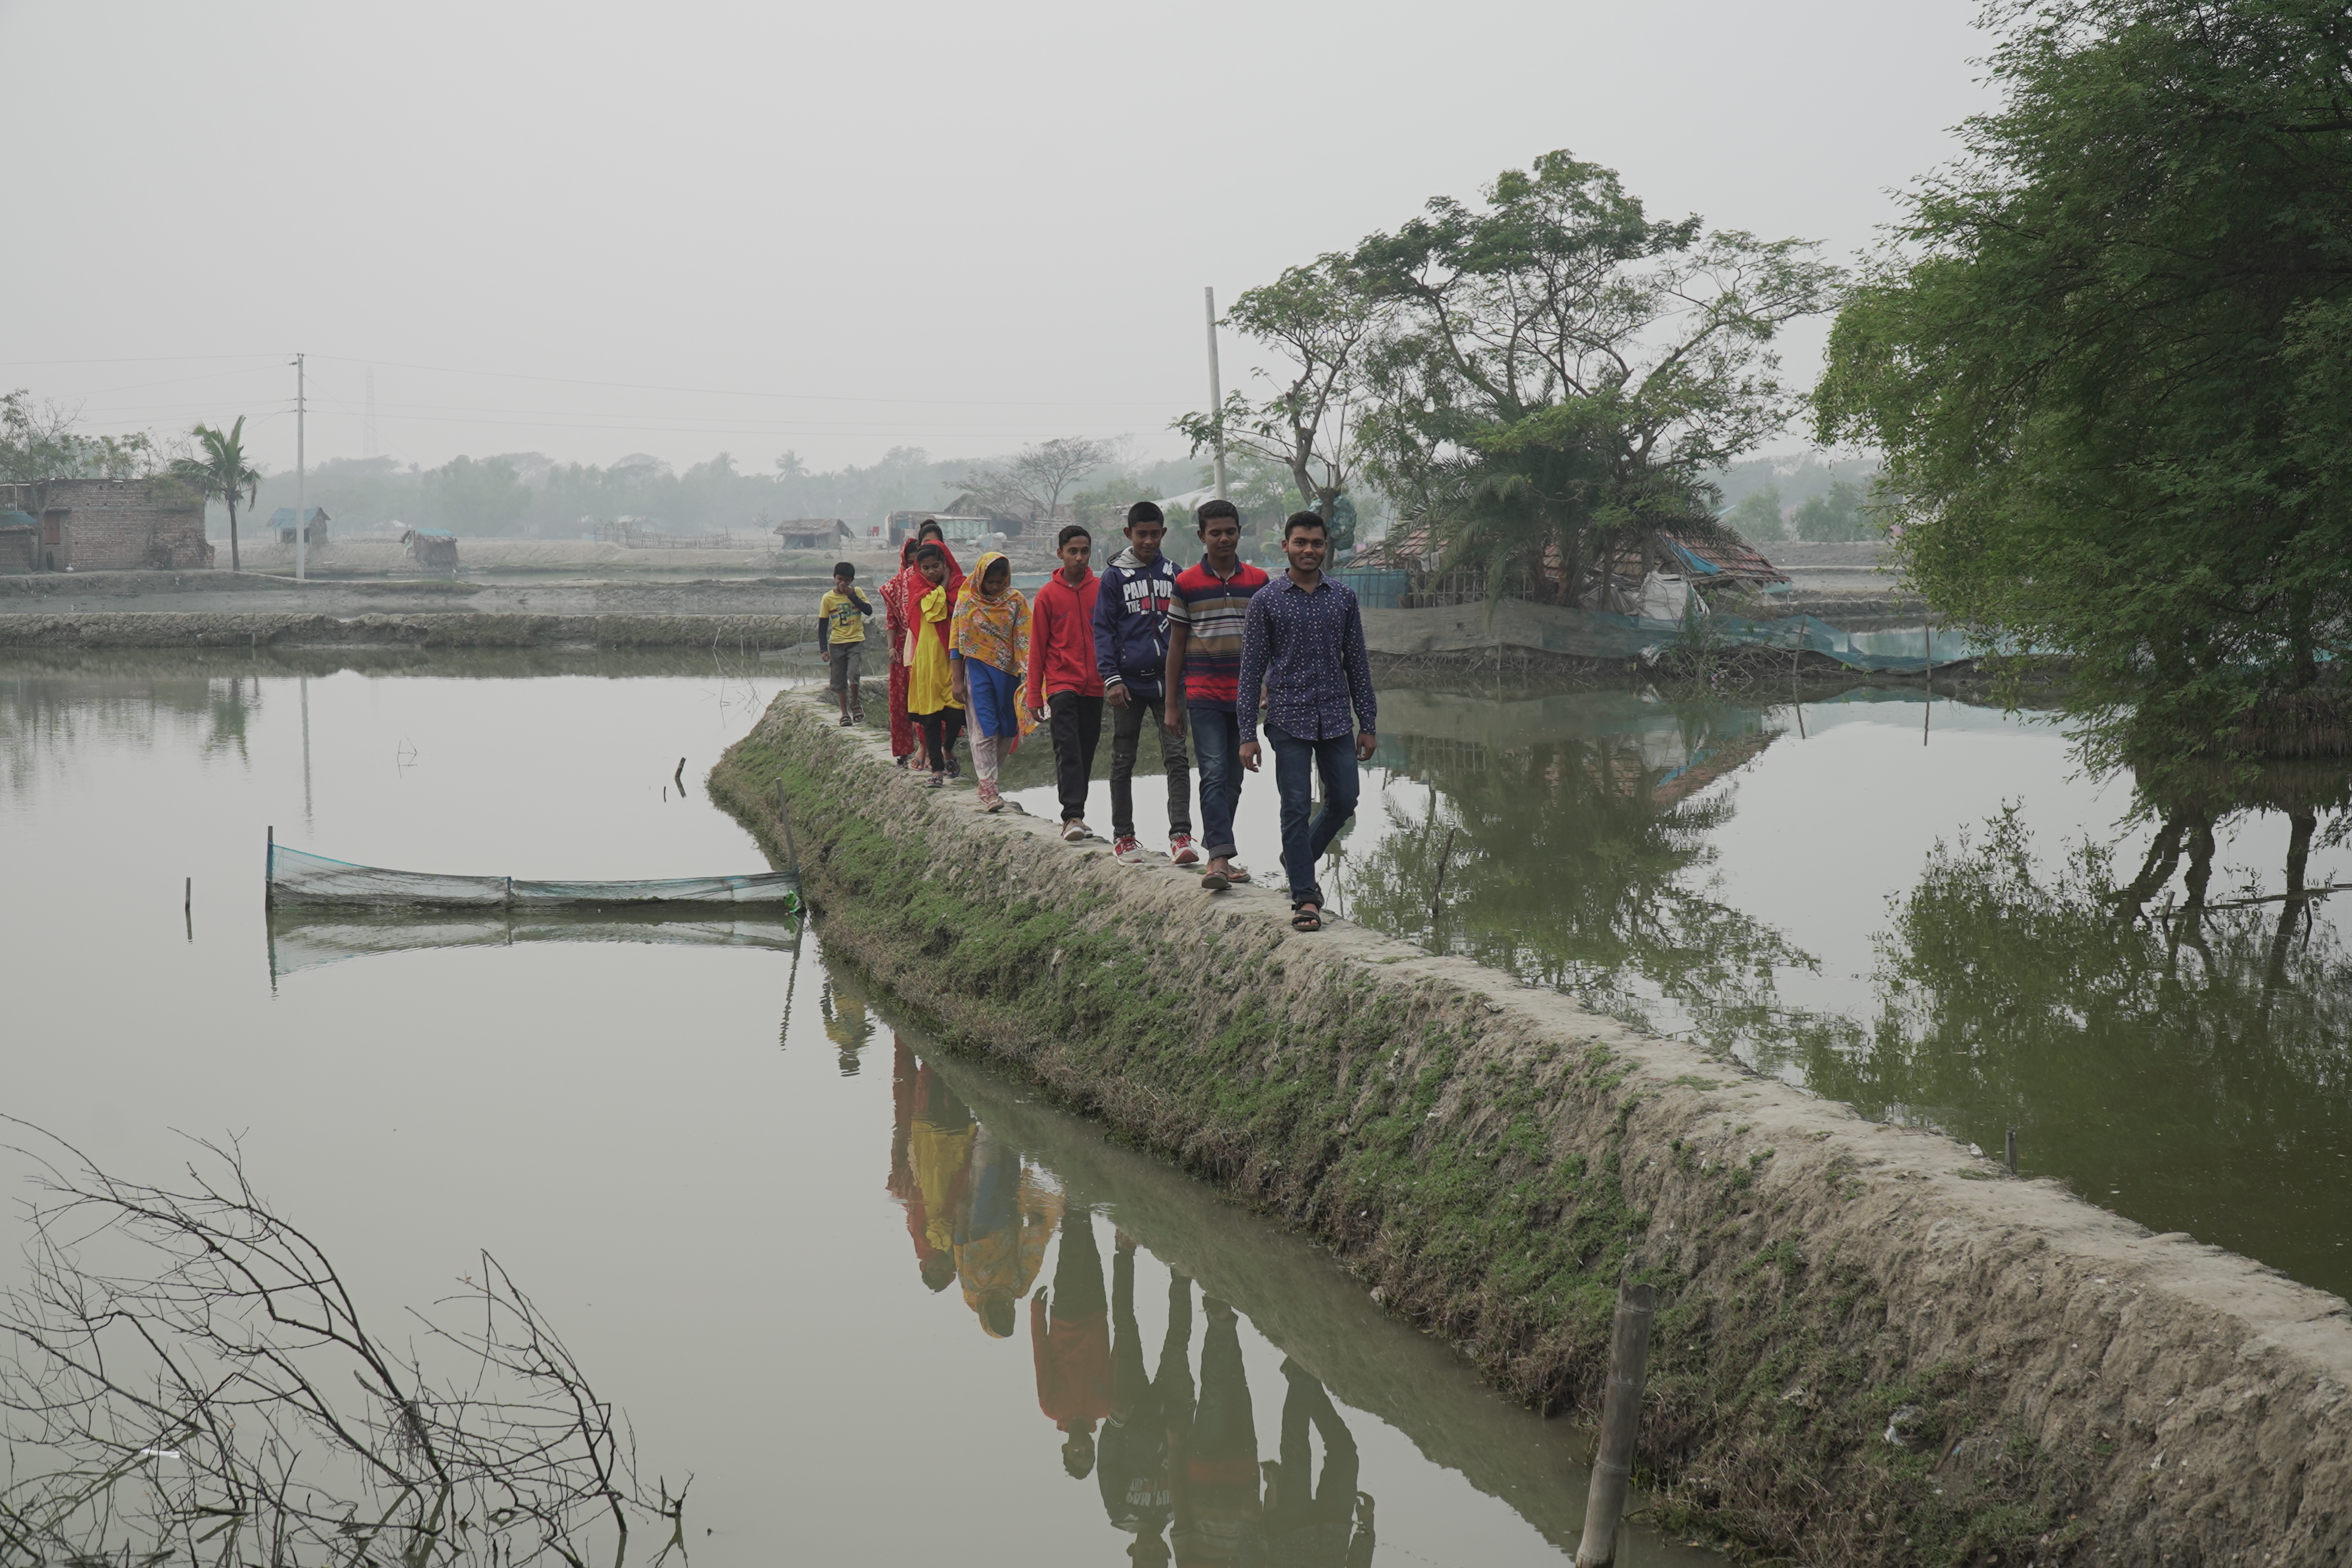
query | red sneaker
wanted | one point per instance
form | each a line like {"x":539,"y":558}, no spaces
{"x":1181,"y":850}
{"x":1128,"y":851}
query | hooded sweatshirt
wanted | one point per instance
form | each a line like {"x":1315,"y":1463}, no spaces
{"x":1062,"y":639}
{"x":1131,"y":624}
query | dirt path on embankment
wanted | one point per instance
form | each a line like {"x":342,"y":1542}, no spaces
{"x":1874,"y":1346}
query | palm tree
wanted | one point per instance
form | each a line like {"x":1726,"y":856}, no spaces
{"x":223,"y":474}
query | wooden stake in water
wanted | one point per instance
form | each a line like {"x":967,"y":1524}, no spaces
{"x":1926,"y":673}
{"x":2009,"y":1156}
{"x":1437,"y":888}
{"x":680,"y":777}
{"x":1621,"y":1422}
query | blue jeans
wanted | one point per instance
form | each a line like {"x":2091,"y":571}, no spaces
{"x":1296,"y":761}
{"x":1216,"y":746}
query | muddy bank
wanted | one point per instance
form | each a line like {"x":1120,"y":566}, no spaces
{"x":1875,"y":1347}
{"x":461,"y":629}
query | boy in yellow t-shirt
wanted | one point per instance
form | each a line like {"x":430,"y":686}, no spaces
{"x":841,"y":637}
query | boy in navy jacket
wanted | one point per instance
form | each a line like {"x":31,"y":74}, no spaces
{"x":1131,"y":655}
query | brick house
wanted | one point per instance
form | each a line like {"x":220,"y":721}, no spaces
{"x":19,"y":534}
{"x":113,"y":525}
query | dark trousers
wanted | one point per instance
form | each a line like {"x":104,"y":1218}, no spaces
{"x":1296,"y":764}
{"x":1127,"y":726}
{"x":940,"y":731}
{"x":1077,"y":1272}
{"x":1306,"y":1524}
{"x":1076,"y":724}
{"x":1217,"y":741}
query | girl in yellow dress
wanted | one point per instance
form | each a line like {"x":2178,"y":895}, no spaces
{"x":931,"y":689}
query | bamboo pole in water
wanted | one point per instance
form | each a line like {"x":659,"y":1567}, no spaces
{"x":1437,"y":888}
{"x":1621,"y":1422}
{"x":1927,"y":672}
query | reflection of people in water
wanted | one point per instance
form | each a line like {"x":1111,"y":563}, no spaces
{"x":1307,"y":1525}
{"x":1072,"y":1342}
{"x":846,"y":1024}
{"x":930,"y":1155}
{"x":1006,"y":1219}
{"x":1217,"y":1519}
{"x":1131,"y":1467}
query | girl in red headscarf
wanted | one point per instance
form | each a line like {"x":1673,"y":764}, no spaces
{"x":901,"y":598}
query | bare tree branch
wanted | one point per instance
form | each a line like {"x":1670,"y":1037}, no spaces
{"x":191,"y":1376}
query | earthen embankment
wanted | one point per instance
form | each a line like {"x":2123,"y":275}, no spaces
{"x":1875,"y":1347}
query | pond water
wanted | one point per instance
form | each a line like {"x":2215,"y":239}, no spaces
{"x":721,"y":1168}
{"x":798,"y":1246}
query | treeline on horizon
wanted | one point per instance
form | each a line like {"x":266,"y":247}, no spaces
{"x":526,"y":494}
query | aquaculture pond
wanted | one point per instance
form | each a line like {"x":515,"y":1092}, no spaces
{"x":803,"y":1251}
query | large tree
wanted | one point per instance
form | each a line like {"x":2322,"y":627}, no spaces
{"x":222,"y":472}
{"x":469,"y":495}
{"x":2108,"y":356}
{"x":1034,"y":479}
{"x":1318,"y":321}
{"x":1560,"y":373}
{"x":42,"y":442}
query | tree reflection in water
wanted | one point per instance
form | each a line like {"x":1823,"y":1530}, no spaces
{"x":2179,"y":1052}
{"x":1581,"y":861}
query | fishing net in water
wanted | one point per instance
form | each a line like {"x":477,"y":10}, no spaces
{"x":298,"y":879}
{"x":303,"y":939}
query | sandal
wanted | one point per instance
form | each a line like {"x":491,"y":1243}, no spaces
{"x":1305,"y":917}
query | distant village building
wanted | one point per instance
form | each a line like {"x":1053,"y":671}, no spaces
{"x":812,"y":534}
{"x":314,"y":531}
{"x":956,"y":526}
{"x":20,"y":534}
{"x":111,"y":525}
{"x":1651,"y":576}
{"x":430,"y":547}
{"x":1008,"y":523}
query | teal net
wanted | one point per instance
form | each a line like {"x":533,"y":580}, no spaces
{"x":298,"y":879}
{"x":302,"y":938}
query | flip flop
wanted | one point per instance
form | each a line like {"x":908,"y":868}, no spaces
{"x":1215,"y":883}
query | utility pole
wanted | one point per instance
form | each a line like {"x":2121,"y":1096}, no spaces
{"x":301,"y":464}
{"x":1216,"y":390}
{"x":369,"y":442}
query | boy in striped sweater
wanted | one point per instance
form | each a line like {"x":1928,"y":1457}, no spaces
{"x":1204,"y":656}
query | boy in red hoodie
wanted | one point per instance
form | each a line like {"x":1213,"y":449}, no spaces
{"x":1065,"y":692}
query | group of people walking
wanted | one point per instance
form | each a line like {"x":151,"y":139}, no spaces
{"x":1192,"y":656}
{"x":1177,"y":1467}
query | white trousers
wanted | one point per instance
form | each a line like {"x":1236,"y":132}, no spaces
{"x":986,"y":756}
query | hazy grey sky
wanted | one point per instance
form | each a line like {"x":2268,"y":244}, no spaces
{"x":588,"y":229}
